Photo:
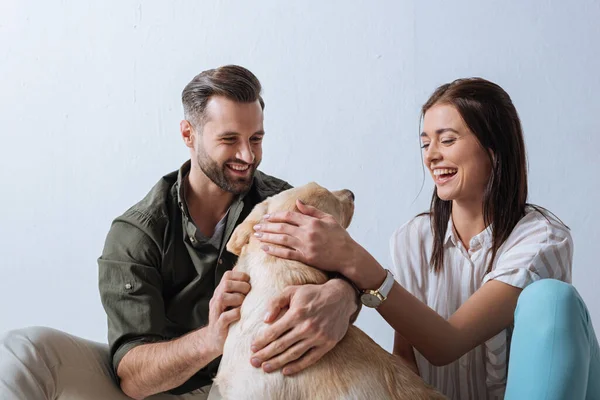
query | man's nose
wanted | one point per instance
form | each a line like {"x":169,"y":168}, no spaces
{"x":246,"y":154}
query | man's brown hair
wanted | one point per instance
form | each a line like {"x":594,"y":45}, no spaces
{"x":231,"y":81}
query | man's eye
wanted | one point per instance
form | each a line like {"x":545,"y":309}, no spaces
{"x":425,"y":145}
{"x":448,"y":141}
{"x":257,"y":139}
{"x":228,"y":139}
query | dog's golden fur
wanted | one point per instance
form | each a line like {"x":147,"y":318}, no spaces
{"x":357,"y":368}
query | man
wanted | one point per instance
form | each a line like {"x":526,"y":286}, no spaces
{"x":165,"y":276}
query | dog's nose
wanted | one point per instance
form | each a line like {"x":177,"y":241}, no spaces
{"x":351,"y":195}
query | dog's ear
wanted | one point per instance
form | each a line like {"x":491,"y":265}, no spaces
{"x":241,"y":234}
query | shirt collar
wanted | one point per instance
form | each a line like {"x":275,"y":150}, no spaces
{"x":484,"y":237}
{"x":451,"y":236}
{"x":181,"y":176}
{"x":190,"y":228}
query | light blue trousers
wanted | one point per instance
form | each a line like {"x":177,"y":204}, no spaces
{"x":554,"y":351}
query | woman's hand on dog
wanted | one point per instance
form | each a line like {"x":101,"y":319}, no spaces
{"x":311,"y":236}
{"x":315,"y":238}
{"x":311,"y":325}
{"x":224,"y":307}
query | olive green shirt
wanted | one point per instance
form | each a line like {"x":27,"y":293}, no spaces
{"x":157,"y":272}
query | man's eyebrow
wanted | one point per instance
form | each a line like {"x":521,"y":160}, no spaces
{"x":227,"y":133}
{"x":439,"y":131}
{"x":233,"y":133}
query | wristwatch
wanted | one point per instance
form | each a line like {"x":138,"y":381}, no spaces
{"x":374,"y":298}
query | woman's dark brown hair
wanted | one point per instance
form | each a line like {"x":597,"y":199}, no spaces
{"x":489,"y":113}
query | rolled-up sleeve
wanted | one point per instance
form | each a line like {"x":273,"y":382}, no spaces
{"x":131,"y":285}
{"x":538,"y":249}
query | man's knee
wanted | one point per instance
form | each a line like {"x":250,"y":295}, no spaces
{"x":30,"y":344}
{"x":32,"y":334}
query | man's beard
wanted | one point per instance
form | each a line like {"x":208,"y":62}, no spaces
{"x":218,"y":173}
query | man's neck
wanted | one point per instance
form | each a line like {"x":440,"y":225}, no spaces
{"x":206,"y":202}
{"x":468,"y":221}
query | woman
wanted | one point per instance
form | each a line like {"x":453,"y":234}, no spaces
{"x":480,"y":263}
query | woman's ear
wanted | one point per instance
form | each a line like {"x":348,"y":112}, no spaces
{"x":241,"y":234}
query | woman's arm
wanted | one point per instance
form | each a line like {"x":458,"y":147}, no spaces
{"x":315,"y":238}
{"x":486,"y":313}
{"x":404,"y":350}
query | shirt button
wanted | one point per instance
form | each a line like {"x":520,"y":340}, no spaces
{"x":220,"y":261}
{"x":192,"y":239}
{"x":128,"y":286}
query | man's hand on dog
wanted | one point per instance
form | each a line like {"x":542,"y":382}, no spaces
{"x":314,"y":319}
{"x":224,"y":307}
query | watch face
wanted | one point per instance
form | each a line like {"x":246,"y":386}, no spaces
{"x":370,"y":300}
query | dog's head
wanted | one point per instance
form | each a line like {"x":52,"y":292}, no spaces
{"x":339,"y":204}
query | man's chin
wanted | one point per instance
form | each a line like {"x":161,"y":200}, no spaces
{"x":240,"y":186}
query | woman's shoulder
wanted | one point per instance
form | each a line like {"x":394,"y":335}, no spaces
{"x":417,"y":227}
{"x":537,"y":218}
{"x":540,"y":246}
{"x":541,"y":226}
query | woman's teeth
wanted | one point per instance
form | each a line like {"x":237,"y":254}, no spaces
{"x":445,"y":171}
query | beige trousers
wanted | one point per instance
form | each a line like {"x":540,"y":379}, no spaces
{"x":46,"y":364}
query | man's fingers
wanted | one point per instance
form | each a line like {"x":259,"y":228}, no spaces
{"x":230,"y":286}
{"x":291,"y":354}
{"x":272,"y":333}
{"x":278,"y":303}
{"x":229,"y":317}
{"x":275,"y":349}
{"x":236,"y":276}
{"x":231,"y":300}
{"x":310,"y":357}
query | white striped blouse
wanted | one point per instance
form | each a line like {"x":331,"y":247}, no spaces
{"x":539,"y":247}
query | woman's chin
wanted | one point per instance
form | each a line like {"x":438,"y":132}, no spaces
{"x":443,"y":195}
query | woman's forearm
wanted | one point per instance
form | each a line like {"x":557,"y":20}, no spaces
{"x":421,"y":326}
{"x":434,"y":337}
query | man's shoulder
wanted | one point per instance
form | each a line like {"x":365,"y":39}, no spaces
{"x":153,"y":209}
{"x":267,"y":185}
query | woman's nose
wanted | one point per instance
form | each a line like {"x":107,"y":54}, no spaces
{"x":431,"y":154}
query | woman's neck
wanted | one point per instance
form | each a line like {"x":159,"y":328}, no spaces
{"x":468,"y":220}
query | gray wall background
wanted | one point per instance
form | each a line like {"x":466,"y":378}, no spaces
{"x":90,"y":108}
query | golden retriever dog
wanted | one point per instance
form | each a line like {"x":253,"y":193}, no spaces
{"x":356,"y":368}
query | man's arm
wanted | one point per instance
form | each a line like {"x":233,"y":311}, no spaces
{"x":131,"y":290}
{"x":154,"y":368}
{"x":157,"y":367}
